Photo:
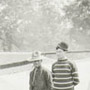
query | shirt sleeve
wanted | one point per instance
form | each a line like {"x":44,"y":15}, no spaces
{"x":52,"y":71}
{"x":30,"y":82}
{"x":48,"y":79}
{"x":74,"y":72}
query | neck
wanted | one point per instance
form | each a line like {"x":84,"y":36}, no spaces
{"x":62,"y":58}
{"x":38,"y":67}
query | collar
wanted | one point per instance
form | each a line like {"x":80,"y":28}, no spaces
{"x":63,"y":59}
{"x":38,"y":68}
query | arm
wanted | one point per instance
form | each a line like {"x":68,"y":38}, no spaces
{"x":48,"y":79}
{"x":74,"y":73}
{"x":52,"y":71}
{"x":30,"y":82}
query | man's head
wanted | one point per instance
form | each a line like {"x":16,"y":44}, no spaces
{"x":61,"y":48}
{"x":37,"y":63}
{"x":37,"y":58}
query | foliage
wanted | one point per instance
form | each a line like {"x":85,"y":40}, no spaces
{"x":27,"y":25}
{"x":79,"y":13}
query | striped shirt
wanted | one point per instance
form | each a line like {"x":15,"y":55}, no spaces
{"x":64,"y":74}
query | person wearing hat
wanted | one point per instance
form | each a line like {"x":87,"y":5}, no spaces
{"x":40,"y":78}
{"x":64,"y":72}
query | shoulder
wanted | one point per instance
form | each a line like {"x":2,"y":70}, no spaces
{"x":45,"y":70}
{"x":54,"y":64}
{"x":31,"y":72}
{"x":71,"y":62}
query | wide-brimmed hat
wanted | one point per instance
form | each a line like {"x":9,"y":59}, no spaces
{"x":35,"y":56}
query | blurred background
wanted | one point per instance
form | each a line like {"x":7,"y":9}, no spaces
{"x":28,"y":25}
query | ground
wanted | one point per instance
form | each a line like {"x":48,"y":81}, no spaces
{"x":17,"y":78}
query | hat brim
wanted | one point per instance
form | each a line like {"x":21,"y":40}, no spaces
{"x":35,"y":59}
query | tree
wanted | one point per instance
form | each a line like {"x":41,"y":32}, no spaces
{"x":32,"y":24}
{"x":79,"y":14}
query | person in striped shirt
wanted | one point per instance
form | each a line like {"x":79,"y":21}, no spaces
{"x":64,"y":72}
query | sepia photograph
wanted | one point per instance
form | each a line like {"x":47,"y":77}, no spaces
{"x":44,"y":44}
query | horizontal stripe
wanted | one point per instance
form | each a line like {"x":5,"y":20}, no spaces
{"x":56,"y":69}
{"x":58,"y":88}
{"x":75,"y":75}
{"x":59,"y":83}
{"x":76,"y":81}
{"x":60,"y":64}
{"x":62,"y":80}
{"x":62,"y":84}
{"x":74,"y":72}
{"x":61,"y":67}
{"x":61,"y":76}
{"x":61,"y":73}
